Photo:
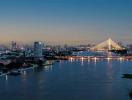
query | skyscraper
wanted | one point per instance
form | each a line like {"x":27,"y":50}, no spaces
{"x":38,"y":46}
{"x":13,"y":45}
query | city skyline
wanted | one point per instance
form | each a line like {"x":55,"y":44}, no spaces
{"x":65,"y":21}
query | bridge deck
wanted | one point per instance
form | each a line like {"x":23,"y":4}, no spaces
{"x":95,"y":57}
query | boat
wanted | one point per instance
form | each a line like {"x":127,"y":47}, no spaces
{"x":14,"y":73}
{"x":46,"y":63}
{"x":130,"y":94}
{"x":129,"y":76}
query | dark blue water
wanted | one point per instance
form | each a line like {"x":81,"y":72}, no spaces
{"x":70,"y":80}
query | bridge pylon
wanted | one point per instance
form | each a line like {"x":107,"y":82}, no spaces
{"x":107,"y":45}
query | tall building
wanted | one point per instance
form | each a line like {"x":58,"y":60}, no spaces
{"x":13,"y":46}
{"x":38,"y":46}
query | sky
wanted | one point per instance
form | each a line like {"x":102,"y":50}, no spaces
{"x":65,"y":21}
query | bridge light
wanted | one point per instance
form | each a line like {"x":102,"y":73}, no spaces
{"x":82,"y":59}
{"x":121,"y":58}
{"x":110,"y":44}
{"x":95,"y":58}
{"x":71,"y":59}
{"x":108,"y":59}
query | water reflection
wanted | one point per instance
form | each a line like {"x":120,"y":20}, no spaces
{"x":82,"y":61}
{"x":6,"y":81}
{"x":110,"y":70}
{"x":24,"y":73}
{"x":121,"y":59}
{"x":88,"y":61}
{"x":108,"y":59}
{"x":48,"y":68}
{"x":68,"y":80}
{"x":6,"y":77}
{"x":95,"y":61}
{"x":71,"y":59}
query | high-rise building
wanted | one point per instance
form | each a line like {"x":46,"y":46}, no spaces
{"x":13,"y":46}
{"x":38,"y":46}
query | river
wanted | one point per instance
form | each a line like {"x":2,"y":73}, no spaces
{"x":70,"y":80}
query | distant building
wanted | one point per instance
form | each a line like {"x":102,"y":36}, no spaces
{"x":13,"y":46}
{"x":38,"y":46}
{"x":129,"y":48}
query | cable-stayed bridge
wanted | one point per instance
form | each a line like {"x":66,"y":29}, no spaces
{"x":107,"y":46}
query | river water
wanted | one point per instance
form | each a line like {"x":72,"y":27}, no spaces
{"x":70,"y":80}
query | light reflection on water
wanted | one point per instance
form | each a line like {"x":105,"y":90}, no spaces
{"x":82,"y":79}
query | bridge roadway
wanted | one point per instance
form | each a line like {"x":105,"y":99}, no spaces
{"x":95,"y":57}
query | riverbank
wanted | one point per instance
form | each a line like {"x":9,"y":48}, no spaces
{"x":19,"y":70}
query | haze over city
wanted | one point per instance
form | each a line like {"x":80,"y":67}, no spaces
{"x":65,"y":21}
{"x":66,"y":49}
